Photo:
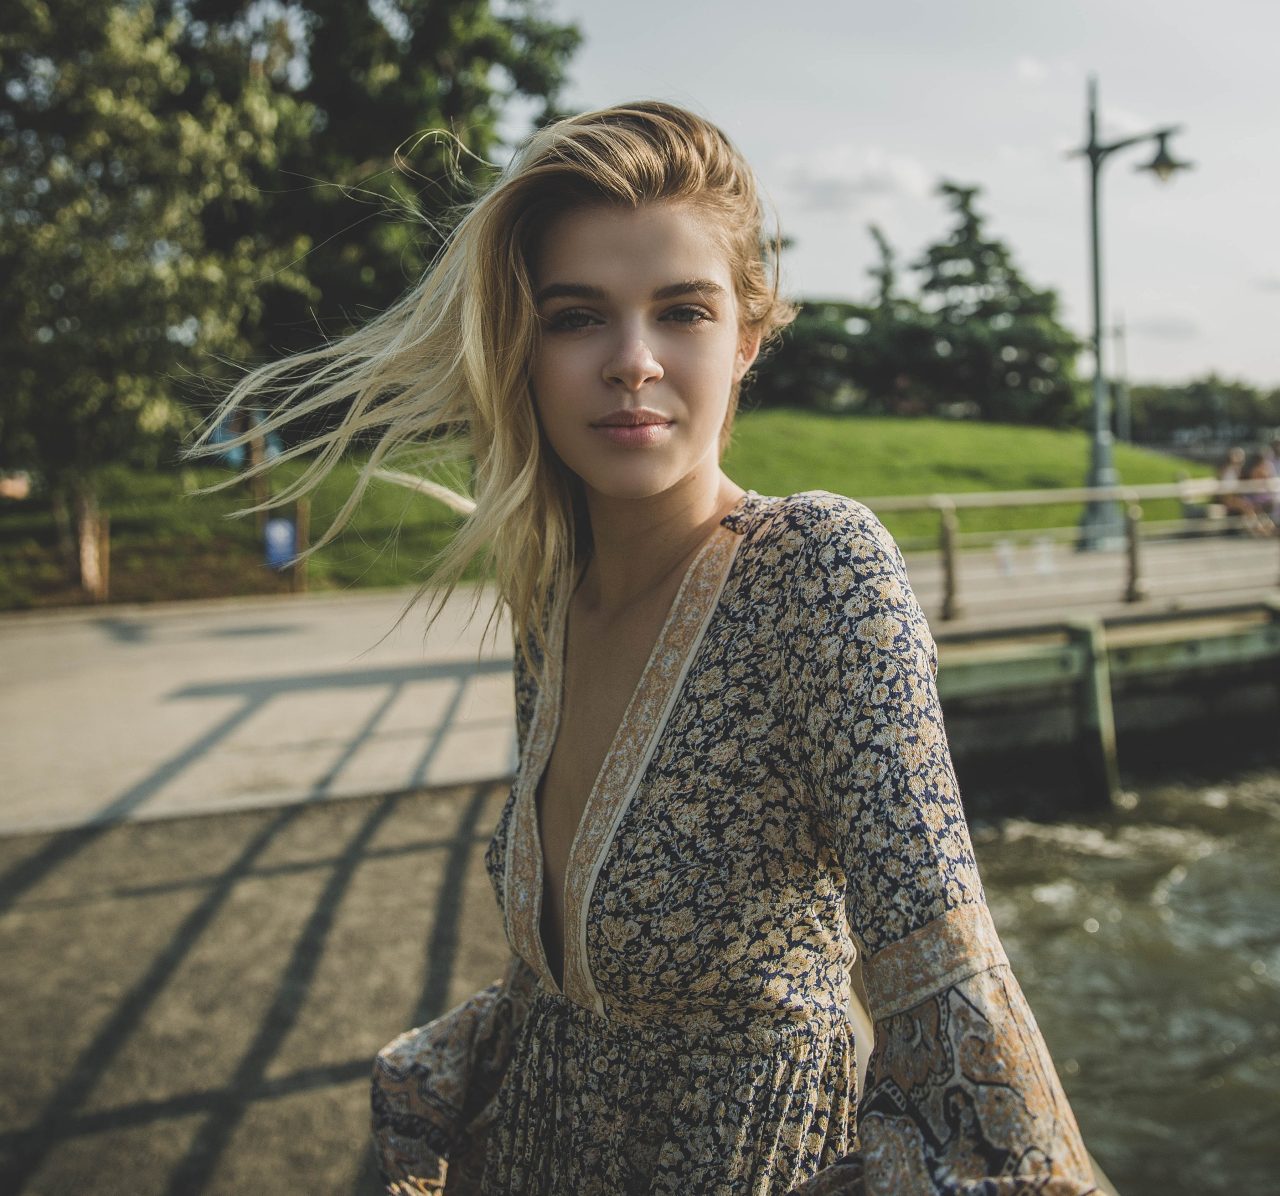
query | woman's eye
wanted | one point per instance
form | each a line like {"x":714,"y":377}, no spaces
{"x":570,"y":320}
{"x":687,"y":314}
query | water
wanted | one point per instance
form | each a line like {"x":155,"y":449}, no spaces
{"x":1148,"y":943}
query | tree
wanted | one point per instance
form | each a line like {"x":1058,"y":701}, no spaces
{"x":145,"y":234}
{"x":408,"y":99}
{"x":1209,"y":410}
{"x":977,"y":338}
{"x":998,"y":342}
{"x":109,"y":172}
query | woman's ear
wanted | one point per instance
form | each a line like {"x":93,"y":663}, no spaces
{"x":748,"y":351}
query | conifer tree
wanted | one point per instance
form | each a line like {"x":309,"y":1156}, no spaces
{"x":998,"y":341}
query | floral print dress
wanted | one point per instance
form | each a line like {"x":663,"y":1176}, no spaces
{"x":778,"y":799}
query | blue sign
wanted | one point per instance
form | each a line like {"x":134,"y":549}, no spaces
{"x":281,"y":542}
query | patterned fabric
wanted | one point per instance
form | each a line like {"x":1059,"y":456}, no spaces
{"x":778,"y":797}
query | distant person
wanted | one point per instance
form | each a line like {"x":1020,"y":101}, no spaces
{"x":1265,"y":503}
{"x":733,"y":774}
{"x":1238,"y":504}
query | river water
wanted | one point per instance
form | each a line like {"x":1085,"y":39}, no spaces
{"x":1148,"y":942}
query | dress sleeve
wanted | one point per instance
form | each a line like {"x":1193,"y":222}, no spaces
{"x":435,"y":1087}
{"x":961,"y":1097}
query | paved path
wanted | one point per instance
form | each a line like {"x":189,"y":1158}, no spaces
{"x":145,"y":712}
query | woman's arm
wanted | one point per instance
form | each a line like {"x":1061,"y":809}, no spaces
{"x":962,"y":1098}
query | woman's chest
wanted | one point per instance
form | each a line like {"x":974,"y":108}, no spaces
{"x":703,"y":852}
{"x":603,"y":662}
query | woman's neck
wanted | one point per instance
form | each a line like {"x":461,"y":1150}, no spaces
{"x":639,"y":544}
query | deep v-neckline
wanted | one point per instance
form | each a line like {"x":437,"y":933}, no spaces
{"x":619,"y":773}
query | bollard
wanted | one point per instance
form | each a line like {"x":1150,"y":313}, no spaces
{"x":1132,"y":527}
{"x":949,"y":531}
{"x":1095,"y":722}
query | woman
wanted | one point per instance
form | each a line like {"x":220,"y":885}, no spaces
{"x":733,"y":774}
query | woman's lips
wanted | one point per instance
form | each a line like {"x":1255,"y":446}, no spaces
{"x":634,"y":435}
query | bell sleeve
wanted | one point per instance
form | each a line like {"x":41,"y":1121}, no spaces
{"x":435,"y":1088}
{"x":961,"y":1097}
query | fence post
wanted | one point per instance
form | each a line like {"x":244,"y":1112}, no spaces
{"x":301,"y":542}
{"x":1132,"y":535}
{"x":949,"y":529}
{"x":1095,"y":725}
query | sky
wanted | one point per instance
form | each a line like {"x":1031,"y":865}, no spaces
{"x":851,"y":112}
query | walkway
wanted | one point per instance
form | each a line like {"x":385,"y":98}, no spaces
{"x":148,"y":712}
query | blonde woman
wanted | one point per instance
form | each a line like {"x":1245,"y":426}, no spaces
{"x":733,"y":776}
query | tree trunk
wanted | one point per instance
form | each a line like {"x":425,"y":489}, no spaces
{"x":65,"y":535}
{"x":92,"y":546}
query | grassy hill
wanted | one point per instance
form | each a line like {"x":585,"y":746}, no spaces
{"x":168,"y":543}
{"x":782,"y":452}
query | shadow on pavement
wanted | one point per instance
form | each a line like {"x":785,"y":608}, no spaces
{"x":194,"y":1004}
{"x":254,"y":696}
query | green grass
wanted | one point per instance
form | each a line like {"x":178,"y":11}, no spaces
{"x":782,"y":452}
{"x":167,"y":542}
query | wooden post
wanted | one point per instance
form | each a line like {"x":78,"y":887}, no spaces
{"x":301,"y":542}
{"x":104,"y":556}
{"x":1095,"y":721}
{"x":1132,"y":535}
{"x":949,"y":529}
{"x":89,"y":544}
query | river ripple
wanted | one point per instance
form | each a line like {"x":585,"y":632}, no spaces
{"x":1148,"y":943}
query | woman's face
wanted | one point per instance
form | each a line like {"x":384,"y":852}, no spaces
{"x":640,"y":346}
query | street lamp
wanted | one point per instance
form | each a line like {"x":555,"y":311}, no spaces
{"x":1102,"y":525}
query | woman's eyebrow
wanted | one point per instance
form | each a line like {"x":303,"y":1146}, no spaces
{"x":700,"y":286}
{"x":581,"y":290}
{"x":568,"y":290}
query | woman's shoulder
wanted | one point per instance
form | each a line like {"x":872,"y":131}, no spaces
{"x":825,"y":530}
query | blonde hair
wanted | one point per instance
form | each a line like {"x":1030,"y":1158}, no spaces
{"x":445,"y":371}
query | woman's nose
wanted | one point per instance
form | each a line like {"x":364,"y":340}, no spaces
{"x":632,"y":364}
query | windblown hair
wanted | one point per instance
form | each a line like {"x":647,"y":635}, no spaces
{"x":444,"y":373}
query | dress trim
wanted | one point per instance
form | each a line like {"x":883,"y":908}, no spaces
{"x":523,"y":872}
{"x":633,"y":746}
{"x":620,"y":773}
{"x":951,"y":948}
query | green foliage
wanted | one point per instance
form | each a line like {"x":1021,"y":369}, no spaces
{"x":999,"y":340}
{"x":1209,"y":408}
{"x":406,"y":100}
{"x":171,"y":543}
{"x":114,"y":164}
{"x":783,"y":452}
{"x":977,"y":339}
{"x":169,"y":165}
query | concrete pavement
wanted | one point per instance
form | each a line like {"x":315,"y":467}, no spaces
{"x":145,"y":712}
{"x":140,"y":712}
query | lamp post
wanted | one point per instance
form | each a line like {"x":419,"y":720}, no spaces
{"x":1102,"y":525}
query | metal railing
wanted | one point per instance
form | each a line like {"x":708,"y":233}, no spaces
{"x":1190,"y":491}
{"x":1202,"y":493}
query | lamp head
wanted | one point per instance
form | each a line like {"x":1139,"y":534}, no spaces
{"x":1164,"y":165}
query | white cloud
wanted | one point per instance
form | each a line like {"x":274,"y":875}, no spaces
{"x":1271,"y":284}
{"x":1165,"y":328}
{"x":1031,"y":70}
{"x":847,"y":179}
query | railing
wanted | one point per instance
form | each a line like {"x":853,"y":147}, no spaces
{"x":1206,"y":492}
